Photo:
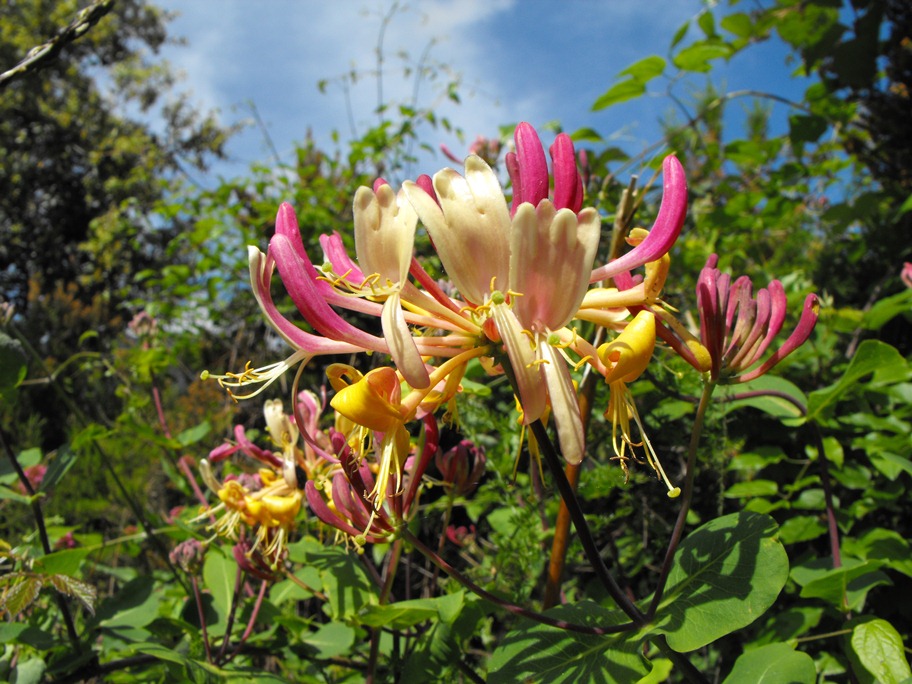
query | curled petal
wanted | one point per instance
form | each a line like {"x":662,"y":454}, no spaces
{"x":306,"y":288}
{"x":798,"y":337}
{"x":261,"y":268}
{"x":470,"y":227}
{"x":335,"y":253}
{"x":664,"y":232}
{"x":627,"y":356}
{"x":402,"y":345}
{"x":373,"y":401}
{"x":384,"y":232}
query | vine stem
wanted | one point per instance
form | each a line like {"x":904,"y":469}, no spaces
{"x":202,"y":616}
{"x":686,"y":498}
{"x":385,"y":591}
{"x":252,"y":621}
{"x":832,"y":526}
{"x":582,"y":527}
{"x":38,"y":514}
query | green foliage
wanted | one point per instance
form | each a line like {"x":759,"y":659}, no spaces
{"x":796,"y":541}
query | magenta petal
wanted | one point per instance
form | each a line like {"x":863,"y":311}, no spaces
{"x":532,"y":166}
{"x":336,"y":254}
{"x":778,"y":306}
{"x":568,"y":186}
{"x":261,"y":267}
{"x":426,"y":183}
{"x":300,"y":279}
{"x":322,"y":510}
{"x":664,"y":232}
{"x":798,"y":337}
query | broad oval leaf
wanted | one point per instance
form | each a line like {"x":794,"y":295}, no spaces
{"x":773,"y":664}
{"x":540,"y":653}
{"x":879,"y":650}
{"x":725,"y":575}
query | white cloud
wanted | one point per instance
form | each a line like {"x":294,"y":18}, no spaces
{"x":519,"y":60}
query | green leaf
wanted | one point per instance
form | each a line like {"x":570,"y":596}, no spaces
{"x":639,"y":73}
{"x":287,"y":590}
{"x":845,"y":587}
{"x":879,"y":650}
{"x":806,"y":128}
{"x":784,"y":406}
{"x":619,"y":92}
{"x":21,"y":595}
{"x":872,"y":356}
{"x":8,"y":494}
{"x":29,"y":672}
{"x":725,"y":575}
{"x":13,"y":367}
{"x":801,"y":528}
{"x":135,"y":605}
{"x":697,"y":57}
{"x":58,"y":467}
{"x":739,"y":24}
{"x":70,"y":586}
{"x":646,"y":69}
{"x":405,"y":614}
{"x":884,"y":545}
{"x":773,"y":664}
{"x":537,"y":652}
{"x":64,"y":562}
{"x":331,"y":640}
{"x":345,"y":582}
{"x":752,"y":488}
{"x":194,"y":434}
{"x":707,"y":24}
{"x":219,"y":573}
{"x":884,"y":310}
{"x":26,"y":459}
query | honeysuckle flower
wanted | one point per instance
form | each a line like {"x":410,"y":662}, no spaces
{"x":626,"y":357}
{"x":737,"y":327}
{"x":543,"y":250}
{"x":520,"y":275}
{"x":346,"y":505}
{"x":461,"y":467}
{"x":269,"y":512}
{"x":373,"y":404}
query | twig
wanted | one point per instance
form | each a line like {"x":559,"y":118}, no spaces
{"x":42,"y":54}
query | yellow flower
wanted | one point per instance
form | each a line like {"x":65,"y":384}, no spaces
{"x":626,"y":357}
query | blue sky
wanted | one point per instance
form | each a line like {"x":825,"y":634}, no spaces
{"x":516,"y":60}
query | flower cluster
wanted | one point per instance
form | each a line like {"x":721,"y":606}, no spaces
{"x":524,"y":283}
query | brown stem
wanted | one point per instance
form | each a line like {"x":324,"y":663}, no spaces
{"x":202,"y":616}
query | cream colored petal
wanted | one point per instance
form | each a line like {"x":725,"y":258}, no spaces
{"x":402,"y":344}
{"x":470,"y":228}
{"x":551,"y":256}
{"x":531,"y":386}
{"x":564,"y":404}
{"x":384,"y":233}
